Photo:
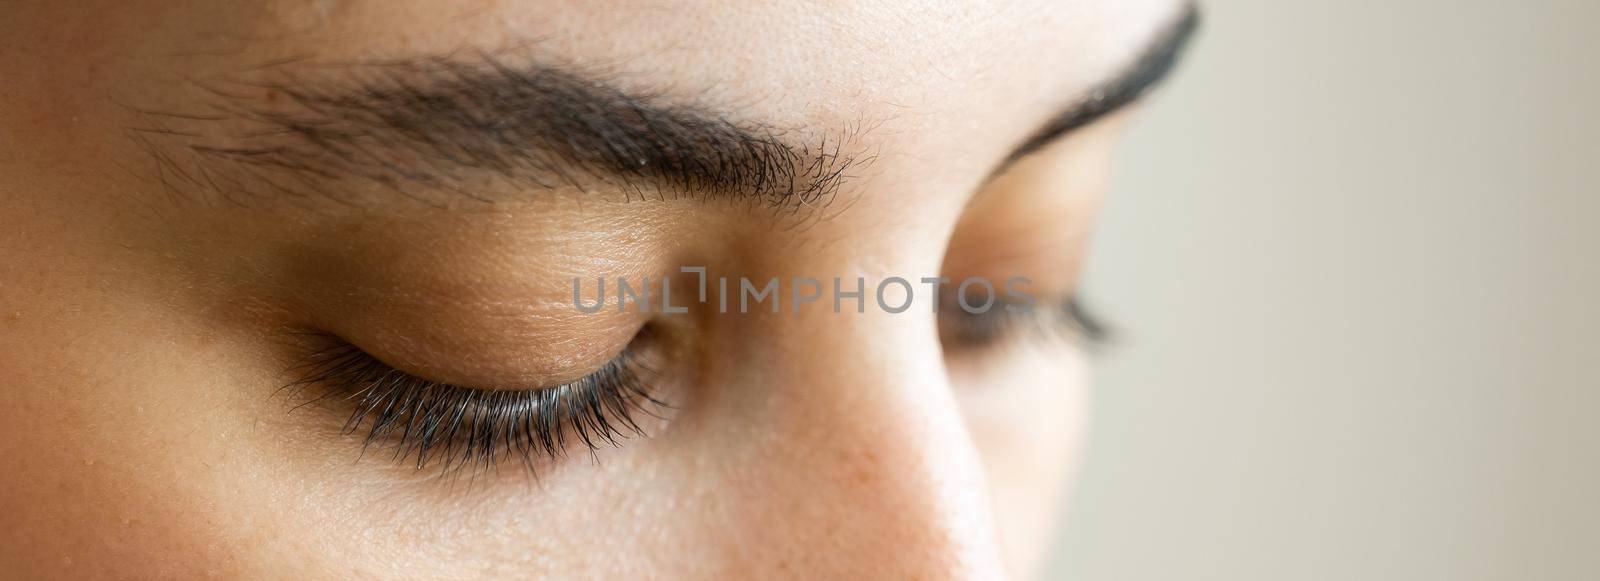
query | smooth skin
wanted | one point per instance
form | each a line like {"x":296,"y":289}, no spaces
{"x":144,"y":434}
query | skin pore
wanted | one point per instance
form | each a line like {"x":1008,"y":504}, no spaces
{"x":204,"y":200}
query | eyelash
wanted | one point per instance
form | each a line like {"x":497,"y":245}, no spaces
{"x":425,"y":420}
{"x":459,"y":427}
{"x":963,"y":330}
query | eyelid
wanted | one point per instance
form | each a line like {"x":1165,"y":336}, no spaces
{"x":429,"y":422}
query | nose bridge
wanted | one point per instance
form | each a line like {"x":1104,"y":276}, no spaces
{"x":856,"y":459}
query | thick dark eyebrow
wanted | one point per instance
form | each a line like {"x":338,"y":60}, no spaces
{"x":454,"y":125}
{"x":1152,"y":66}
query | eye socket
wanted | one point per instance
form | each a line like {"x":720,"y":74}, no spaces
{"x":426,"y":422}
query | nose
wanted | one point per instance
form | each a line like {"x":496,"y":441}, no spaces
{"x":844,"y":455}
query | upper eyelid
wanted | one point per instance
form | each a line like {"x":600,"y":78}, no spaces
{"x":329,"y":347}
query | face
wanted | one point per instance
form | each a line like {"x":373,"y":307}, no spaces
{"x":287,"y":289}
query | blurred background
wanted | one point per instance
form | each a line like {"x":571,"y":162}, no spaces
{"x":1353,"y":255}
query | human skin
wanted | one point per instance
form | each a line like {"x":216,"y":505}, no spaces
{"x":142,"y":314}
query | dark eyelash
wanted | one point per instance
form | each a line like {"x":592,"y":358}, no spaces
{"x":978,"y":330}
{"x":458,"y":427}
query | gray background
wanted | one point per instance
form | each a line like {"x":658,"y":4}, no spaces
{"x":1354,"y":253}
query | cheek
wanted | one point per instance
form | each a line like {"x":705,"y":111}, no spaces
{"x":127,"y":451}
{"x":1027,"y":413}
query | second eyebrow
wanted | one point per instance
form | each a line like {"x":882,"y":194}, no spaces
{"x":1154,"y":64}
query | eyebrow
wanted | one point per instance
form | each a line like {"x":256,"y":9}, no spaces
{"x":447,"y":124}
{"x":1153,"y":65}
{"x":471,"y":126}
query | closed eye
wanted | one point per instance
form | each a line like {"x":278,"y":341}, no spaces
{"x":1066,"y":318}
{"x":425,"y":422}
